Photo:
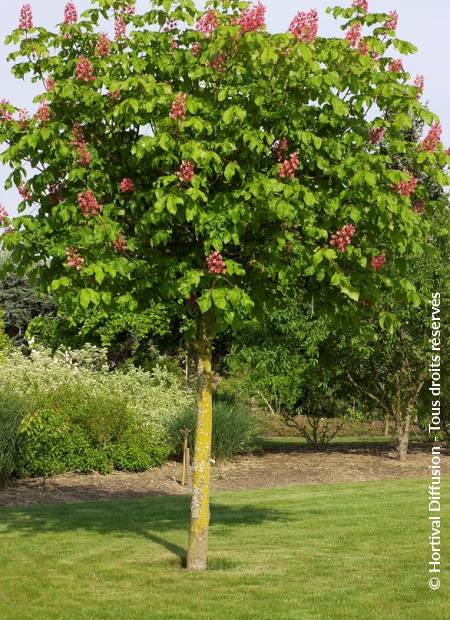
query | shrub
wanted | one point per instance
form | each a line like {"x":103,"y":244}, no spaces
{"x":234,"y":429}
{"x":77,"y":416}
{"x":12,"y":411}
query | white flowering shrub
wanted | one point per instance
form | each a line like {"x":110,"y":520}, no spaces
{"x":76,"y":415}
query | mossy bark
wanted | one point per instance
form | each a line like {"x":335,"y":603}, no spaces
{"x":197,"y":557}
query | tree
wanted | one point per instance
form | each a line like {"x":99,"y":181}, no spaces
{"x":201,"y":160}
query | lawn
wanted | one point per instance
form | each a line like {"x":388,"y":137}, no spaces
{"x":313,"y":552}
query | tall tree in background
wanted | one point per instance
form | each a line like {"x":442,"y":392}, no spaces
{"x":199,"y":159}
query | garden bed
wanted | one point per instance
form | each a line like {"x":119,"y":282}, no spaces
{"x":280,"y":464}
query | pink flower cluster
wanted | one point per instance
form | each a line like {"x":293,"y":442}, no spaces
{"x":70,"y":13}
{"x":196,"y":48}
{"x":253,"y":18}
{"x":74,"y":259}
{"x":289,"y":167}
{"x":103,"y":46}
{"x":418,"y":207}
{"x":23,"y":118}
{"x":178,"y":107}
{"x":78,"y":140}
{"x":363,"y":47}
{"x":377,"y":262}
{"x":186,"y":171}
{"x":43,"y":113}
{"x":361,"y":4}
{"x":120,"y":27}
{"x":396,"y":66}
{"x":343,"y":237}
{"x":305,"y":25}
{"x":353,"y":34}
{"x":50,"y":83}
{"x":391,"y":24}
{"x":120,"y":244}
{"x":114,"y":95}
{"x":5,"y":115}
{"x":216,"y":264}
{"x":26,"y":17}
{"x":25,"y":192}
{"x":85,"y":70}
{"x":126,"y":186}
{"x":88,"y":203}
{"x":433,"y":138}
{"x":406,"y":188}
{"x":419,"y":83}
{"x":218,"y":63}
{"x":208,"y":23}
{"x":3,"y":214}
{"x":376,"y":134}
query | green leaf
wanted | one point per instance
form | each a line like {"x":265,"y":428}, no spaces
{"x":205,"y":301}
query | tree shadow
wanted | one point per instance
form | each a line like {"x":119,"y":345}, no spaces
{"x":152,"y":519}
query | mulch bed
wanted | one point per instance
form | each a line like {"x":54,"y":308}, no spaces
{"x":253,"y":471}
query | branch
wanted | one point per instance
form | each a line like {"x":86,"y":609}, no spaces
{"x":367,"y":393}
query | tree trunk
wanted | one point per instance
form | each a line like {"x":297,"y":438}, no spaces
{"x":197,"y":556}
{"x":403,"y":438}
{"x":386,"y":425}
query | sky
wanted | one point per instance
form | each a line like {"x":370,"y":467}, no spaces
{"x":426,"y":24}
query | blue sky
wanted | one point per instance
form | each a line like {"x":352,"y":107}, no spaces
{"x":426,"y":24}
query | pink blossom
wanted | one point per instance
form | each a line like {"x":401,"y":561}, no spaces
{"x":289,"y":167}
{"x":178,"y":107}
{"x":3,"y":215}
{"x":26,"y":17}
{"x":253,"y":18}
{"x":120,"y":244}
{"x":88,"y":203}
{"x":377,"y":262}
{"x":396,"y":66}
{"x":418,"y":207}
{"x":70,"y":13}
{"x":173,"y":44}
{"x":376,"y":134}
{"x":5,"y":115}
{"x":433,"y":138}
{"x":361,"y":4}
{"x":50,"y":83}
{"x":25,"y":192}
{"x":406,"y":188}
{"x":120,"y":27}
{"x":216,"y":264}
{"x":85,"y":70}
{"x":74,"y":259}
{"x":115,"y":95}
{"x":305,"y":25}
{"x":447,"y":151}
{"x":391,"y":24}
{"x":208,"y":23}
{"x":419,"y":83}
{"x":43,"y":113}
{"x":186,"y":171}
{"x":24,"y":117}
{"x":218,"y":63}
{"x":363,"y":48}
{"x":353,"y":34}
{"x":103,"y":46}
{"x":126,"y":186}
{"x":196,"y":48}
{"x":343,"y":237}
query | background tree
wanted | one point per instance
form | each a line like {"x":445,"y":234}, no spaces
{"x":212,"y":164}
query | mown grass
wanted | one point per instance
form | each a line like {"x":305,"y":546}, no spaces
{"x":288,"y":443}
{"x":315,"y":552}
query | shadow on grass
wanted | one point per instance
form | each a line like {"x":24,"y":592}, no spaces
{"x":151,"y":519}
